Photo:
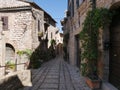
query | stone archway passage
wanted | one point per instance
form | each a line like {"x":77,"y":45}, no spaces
{"x":114,"y":76}
{"x":10,"y":53}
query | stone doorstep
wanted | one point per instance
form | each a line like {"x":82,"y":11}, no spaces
{"x":24,"y":76}
{"x":108,"y":86}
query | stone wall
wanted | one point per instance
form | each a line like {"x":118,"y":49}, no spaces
{"x":76,"y":26}
{"x":38,"y":15}
{"x":22,"y":32}
{"x":19,"y":29}
{"x":2,"y":52}
{"x":12,"y":83}
{"x":19,"y":34}
{"x":16,"y":80}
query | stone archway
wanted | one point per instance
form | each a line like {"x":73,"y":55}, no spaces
{"x":114,"y":52}
{"x":59,"y":49}
{"x":9,"y":53}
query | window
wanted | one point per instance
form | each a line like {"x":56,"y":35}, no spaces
{"x":38,"y":25}
{"x":5,"y":22}
{"x":72,"y":8}
{"x":51,"y":35}
{"x":77,"y":3}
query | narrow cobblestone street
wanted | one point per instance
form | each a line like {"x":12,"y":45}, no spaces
{"x":57,"y":75}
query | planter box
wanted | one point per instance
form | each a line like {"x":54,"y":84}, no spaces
{"x":93,"y":84}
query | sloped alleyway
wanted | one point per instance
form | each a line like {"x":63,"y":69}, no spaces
{"x":57,"y":75}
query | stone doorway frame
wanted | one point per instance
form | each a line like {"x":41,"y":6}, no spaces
{"x":78,"y":51}
{"x":105,"y":52}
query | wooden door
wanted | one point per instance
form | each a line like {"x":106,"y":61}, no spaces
{"x":114,"y":76}
{"x":78,"y":58}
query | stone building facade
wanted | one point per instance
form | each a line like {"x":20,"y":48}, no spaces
{"x":22,"y":22}
{"x":2,"y":49}
{"x":109,"y":60}
{"x":53,"y":33}
{"x":59,"y":43}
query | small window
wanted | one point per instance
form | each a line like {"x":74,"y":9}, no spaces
{"x":38,"y":25}
{"x":77,"y":3}
{"x":72,"y":8}
{"x":51,"y":35}
{"x":5,"y":22}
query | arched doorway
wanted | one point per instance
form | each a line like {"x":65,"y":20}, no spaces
{"x":114,"y":64}
{"x":59,"y":49}
{"x":9,"y":53}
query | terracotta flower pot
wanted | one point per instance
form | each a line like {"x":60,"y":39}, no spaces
{"x":93,"y":84}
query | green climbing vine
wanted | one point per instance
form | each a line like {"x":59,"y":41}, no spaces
{"x":27,"y":52}
{"x":65,"y":43}
{"x":95,"y":19}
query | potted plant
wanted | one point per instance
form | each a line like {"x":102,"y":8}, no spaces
{"x":92,"y":79}
{"x":93,"y":83}
{"x":89,"y":70}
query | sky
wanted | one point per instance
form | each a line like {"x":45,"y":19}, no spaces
{"x":55,"y":8}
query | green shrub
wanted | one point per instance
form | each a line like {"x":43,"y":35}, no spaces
{"x":27,"y":52}
{"x":41,"y":55}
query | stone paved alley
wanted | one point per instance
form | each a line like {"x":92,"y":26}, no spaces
{"x":57,"y":75}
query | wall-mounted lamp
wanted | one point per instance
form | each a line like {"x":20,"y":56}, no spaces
{"x":106,"y":45}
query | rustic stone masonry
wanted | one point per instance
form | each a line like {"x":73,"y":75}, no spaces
{"x":12,"y":83}
{"x":23,"y":20}
{"x":2,"y":51}
{"x":15,"y":80}
{"x":73,"y":25}
{"x":22,"y":29}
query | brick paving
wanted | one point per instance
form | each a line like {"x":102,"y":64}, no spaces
{"x":57,"y":75}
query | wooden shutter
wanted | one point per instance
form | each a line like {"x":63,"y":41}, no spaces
{"x":5,"y":22}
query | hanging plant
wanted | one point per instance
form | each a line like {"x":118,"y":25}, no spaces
{"x":95,"y":19}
